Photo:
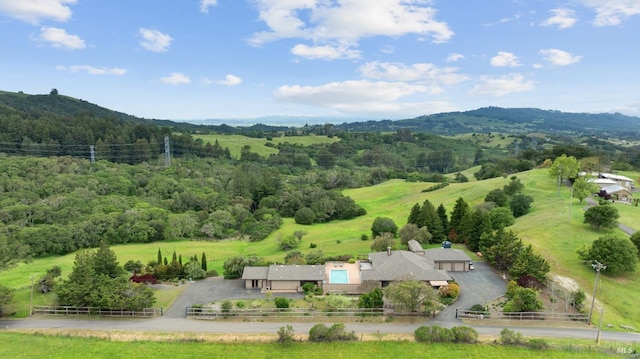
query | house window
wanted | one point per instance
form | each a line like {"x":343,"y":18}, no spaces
{"x":255,"y":283}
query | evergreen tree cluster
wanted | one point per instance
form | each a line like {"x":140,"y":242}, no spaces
{"x":97,"y":280}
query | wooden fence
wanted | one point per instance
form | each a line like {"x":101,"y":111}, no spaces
{"x":88,"y":311}
{"x":211,"y":313}
{"x":558,"y":317}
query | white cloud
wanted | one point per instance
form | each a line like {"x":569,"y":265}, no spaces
{"x":559,"y":57}
{"x":93,"y":70}
{"x":563,"y":18}
{"x":612,"y":12}
{"x":455,"y":57}
{"x":505,"y":59}
{"x":176,"y":78}
{"x":347,"y":21}
{"x":502,"y":86}
{"x":362,"y":96}
{"x":59,"y":38}
{"x":421,"y":72}
{"x":230,"y":80}
{"x":326,"y":52}
{"x":33,"y":11}
{"x":154,"y":40}
{"x":206,"y":4}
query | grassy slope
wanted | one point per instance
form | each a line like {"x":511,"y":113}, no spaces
{"x":236,"y":142}
{"x":547,"y":227}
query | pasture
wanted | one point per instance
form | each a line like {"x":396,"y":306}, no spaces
{"x":258,"y":145}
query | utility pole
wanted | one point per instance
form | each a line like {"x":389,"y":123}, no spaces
{"x":598,"y":267}
{"x":33,"y":276}
{"x":92,"y":150}
{"x":167,"y":153}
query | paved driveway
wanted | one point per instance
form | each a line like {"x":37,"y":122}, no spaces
{"x":478,"y":286}
{"x":215,"y":289}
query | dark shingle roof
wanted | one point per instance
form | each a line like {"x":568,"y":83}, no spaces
{"x":447,"y":255}
{"x":255,"y":272}
{"x":296,"y":272}
{"x":402,"y":264}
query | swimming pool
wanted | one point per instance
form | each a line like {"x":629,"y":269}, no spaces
{"x":339,"y":276}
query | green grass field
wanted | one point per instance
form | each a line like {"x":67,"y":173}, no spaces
{"x":236,"y":142}
{"x":554,"y":227}
{"x":20,"y":345}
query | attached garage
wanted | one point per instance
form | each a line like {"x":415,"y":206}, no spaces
{"x":449,"y":259}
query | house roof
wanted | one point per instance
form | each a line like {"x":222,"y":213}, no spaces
{"x":400,"y":264}
{"x":615,"y":189}
{"x":447,"y":255}
{"x":602,"y":181}
{"x":606,"y":175}
{"x":296,"y":272}
{"x":414,"y":246}
{"x":255,"y":272}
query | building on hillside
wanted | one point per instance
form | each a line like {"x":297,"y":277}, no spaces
{"x":390,"y":266}
{"x":377,"y":271}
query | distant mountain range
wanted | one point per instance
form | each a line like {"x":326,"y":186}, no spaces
{"x":488,"y":119}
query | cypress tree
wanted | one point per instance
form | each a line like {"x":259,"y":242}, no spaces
{"x":442,"y":213}
{"x":204,"y":262}
{"x":180,"y":259}
{"x":166,"y":262}
{"x":174,"y":259}
{"x":159,"y":257}
{"x":414,"y":215}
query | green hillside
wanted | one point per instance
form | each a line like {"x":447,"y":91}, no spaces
{"x":554,"y":231}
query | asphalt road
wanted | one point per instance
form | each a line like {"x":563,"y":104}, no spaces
{"x":164,"y":324}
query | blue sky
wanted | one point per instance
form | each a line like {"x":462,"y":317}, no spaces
{"x":346,"y":59}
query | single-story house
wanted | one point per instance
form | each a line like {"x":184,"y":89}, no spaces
{"x":283,"y":278}
{"x":390,"y":266}
{"x":620,"y":180}
{"x":617,"y":193}
{"x":379,"y":270}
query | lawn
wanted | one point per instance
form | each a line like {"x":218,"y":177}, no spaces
{"x":21,"y":345}
{"x":554,"y":227}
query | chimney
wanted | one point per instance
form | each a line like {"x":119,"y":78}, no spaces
{"x":389,"y":250}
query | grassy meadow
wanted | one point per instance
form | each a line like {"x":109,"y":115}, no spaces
{"x":236,"y":142}
{"x":554,"y":227}
{"x":21,"y":345}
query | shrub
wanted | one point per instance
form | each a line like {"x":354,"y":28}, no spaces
{"x":538,"y":344}
{"x":281,"y":302}
{"x":509,"y":337}
{"x":478,"y":308}
{"x":226,"y":306}
{"x":318,"y":333}
{"x":464,"y":334}
{"x":433,"y":334}
{"x":212,"y":273}
{"x":312,"y":245}
{"x":364,"y":237}
{"x":308,"y":288}
{"x":337,"y":332}
{"x":451,"y":291}
{"x":240,"y":304}
{"x":285,"y":335}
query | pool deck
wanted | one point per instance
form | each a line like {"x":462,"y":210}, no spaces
{"x":353,"y":269}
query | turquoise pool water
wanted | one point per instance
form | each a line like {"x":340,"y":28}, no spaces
{"x":339,"y":276}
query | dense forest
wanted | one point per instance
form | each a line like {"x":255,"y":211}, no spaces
{"x":72,"y":174}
